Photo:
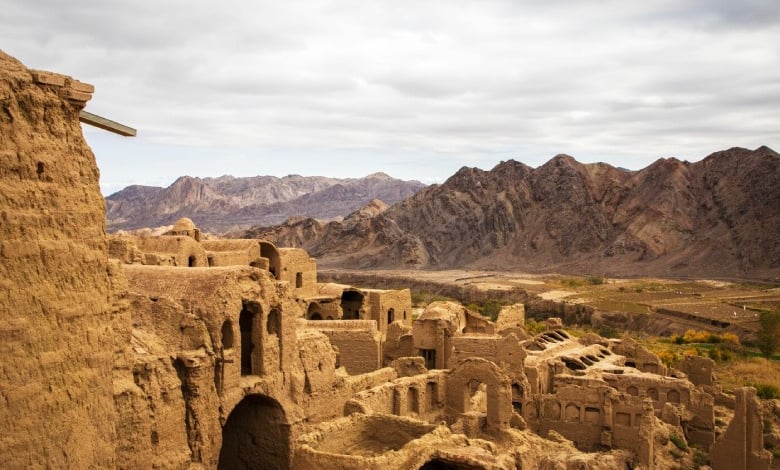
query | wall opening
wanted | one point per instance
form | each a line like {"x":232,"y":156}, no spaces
{"x":267,"y":250}
{"x":432,"y":392}
{"x":246,"y":325}
{"x":227,"y":334}
{"x":40,"y":170}
{"x":351,"y":303}
{"x":192,"y":261}
{"x":430,"y":358}
{"x":477,"y":396}
{"x":413,"y":400}
{"x":592,"y":415}
{"x":298,"y":280}
{"x":443,"y":464}
{"x":572,"y":413}
{"x":653,"y":394}
{"x":255,"y":435}
{"x":314,"y":310}
{"x":274,"y":324}
{"x":633,"y":391}
{"x":673,"y":396}
{"x":274,"y":329}
{"x":210,"y":260}
{"x":517,"y":398}
{"x":390,"y":316}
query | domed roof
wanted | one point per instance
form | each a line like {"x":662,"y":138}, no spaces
{"x":184,"y":225}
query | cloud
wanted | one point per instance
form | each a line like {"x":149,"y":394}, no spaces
{"x":419,"y":87}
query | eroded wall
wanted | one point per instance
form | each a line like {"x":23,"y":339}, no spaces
{"x":57,"y":407}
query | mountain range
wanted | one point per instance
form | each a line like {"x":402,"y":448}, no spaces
{"x":718,"y":217}
{"x":228,"y":203}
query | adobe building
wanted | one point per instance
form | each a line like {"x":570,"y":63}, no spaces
{"x":180,"y":352}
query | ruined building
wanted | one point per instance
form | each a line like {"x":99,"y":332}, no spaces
{"x":177,"y":351}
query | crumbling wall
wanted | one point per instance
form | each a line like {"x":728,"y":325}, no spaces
{"x":358,"y":341}
{"x":389,"y":306}
{"x":421,"y":396}
{"x":176,"y":250}
{"x":505,"y":351}
{"x":57,"y":407}
{"x":398,"y":342}
{"x":300,"y":270}
{"x":741,"y":447}
{"x":233,"y":253}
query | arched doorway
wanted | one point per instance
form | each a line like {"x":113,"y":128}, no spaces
{"x":314,"y":312}
{"x":255,"y":436}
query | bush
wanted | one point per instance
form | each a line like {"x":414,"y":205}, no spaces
{"x":491,"y":309}
{"x":534,"y":327}
{"x":767,"y":391}
{"x":678,"y":441}
{"x":769,"y":333}
{"x":719,"y":354}
{"x":595,"y":280}
{"x":700,"y":459}
{"x":608,"y":331}
{"x":669,"y":358}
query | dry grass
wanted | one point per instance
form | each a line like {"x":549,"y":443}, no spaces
{"x":746,"y":371}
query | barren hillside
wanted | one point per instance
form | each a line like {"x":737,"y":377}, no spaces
{"x":228,"y":203}
{"x":715,"y":217}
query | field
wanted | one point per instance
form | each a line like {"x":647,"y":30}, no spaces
{"x":729,"y":302}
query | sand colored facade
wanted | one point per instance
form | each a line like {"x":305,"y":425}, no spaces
{"x":180,"y":352}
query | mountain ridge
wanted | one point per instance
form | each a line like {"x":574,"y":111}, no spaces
{"x":715,"y":217}
{"x":226,"y":203}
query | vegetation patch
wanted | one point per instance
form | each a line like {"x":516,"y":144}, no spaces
{"x":678,"y":441}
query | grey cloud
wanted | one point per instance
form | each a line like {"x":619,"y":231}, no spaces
{"x":450,"y":82}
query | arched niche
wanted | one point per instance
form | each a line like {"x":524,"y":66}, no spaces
{"x":256,"y":435}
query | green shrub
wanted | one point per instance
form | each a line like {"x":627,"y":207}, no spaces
{"x":595,"y":280}
{"x":678,"y":441}
{"x":608,"y":331}
{"x":767,"y":391}
{"x":700,"y":459}
{"x":534,"y":327}
{"x":769,"y":333}
{"x":491,"y":309}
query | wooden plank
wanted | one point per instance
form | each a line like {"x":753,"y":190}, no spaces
{"x":106,"y":124}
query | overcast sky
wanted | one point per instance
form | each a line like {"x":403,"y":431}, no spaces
{"x":416,"y":89}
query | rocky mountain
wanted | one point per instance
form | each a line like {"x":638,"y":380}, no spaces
{"x":228,"y":203}
{"x":718,"y":217}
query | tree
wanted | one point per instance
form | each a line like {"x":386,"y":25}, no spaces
{"x":769,"y":333}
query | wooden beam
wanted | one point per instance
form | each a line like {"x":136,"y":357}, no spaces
{"x":106,"y":124}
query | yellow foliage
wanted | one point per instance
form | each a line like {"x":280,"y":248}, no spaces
{"x":668,"y":357}
{"x":693,"y":336}
{"x":730,"y":338}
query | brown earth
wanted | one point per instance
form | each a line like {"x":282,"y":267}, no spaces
{"x":714,"y":218}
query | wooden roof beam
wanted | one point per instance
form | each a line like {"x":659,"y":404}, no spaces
{"x":106,"y":124}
